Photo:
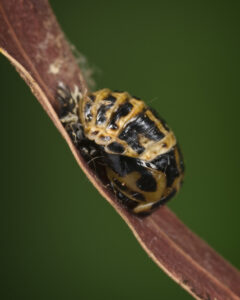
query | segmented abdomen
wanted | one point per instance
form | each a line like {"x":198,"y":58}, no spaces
{"x":124,"y":125}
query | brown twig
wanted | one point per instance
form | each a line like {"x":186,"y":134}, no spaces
{"x":32,"y":40}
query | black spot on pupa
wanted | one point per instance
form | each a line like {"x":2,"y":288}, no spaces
{"x":110,"y":98}
{"x":101,"y":113}
{"x":122,"y":111}
{"x":147,"y":183}
{"x":116,"y":147}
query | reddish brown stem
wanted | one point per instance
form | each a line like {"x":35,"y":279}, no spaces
{"x":32,"y":40}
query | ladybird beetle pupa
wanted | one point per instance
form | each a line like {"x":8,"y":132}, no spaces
{"x":139,"y":152}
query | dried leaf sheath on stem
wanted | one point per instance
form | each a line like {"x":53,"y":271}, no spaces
{"x":32,"y":40}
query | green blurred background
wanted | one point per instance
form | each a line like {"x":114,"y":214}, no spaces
{"x":59,"y":238}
